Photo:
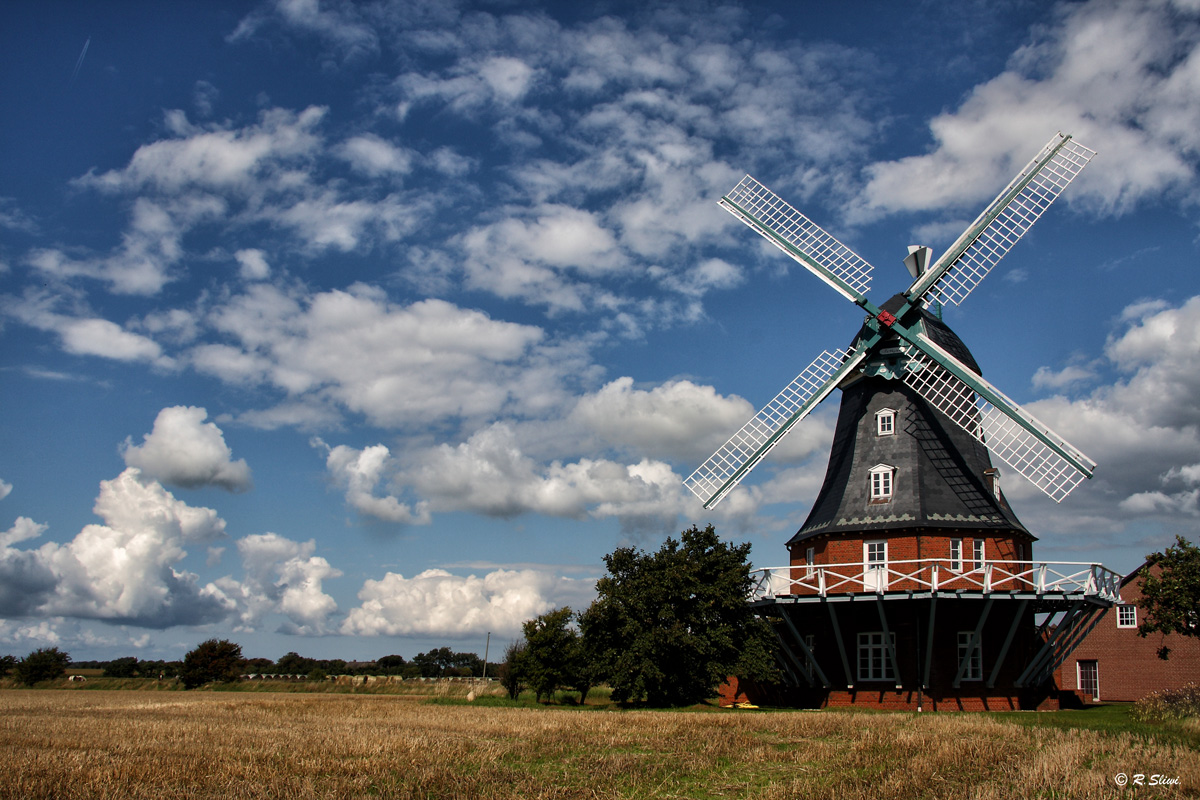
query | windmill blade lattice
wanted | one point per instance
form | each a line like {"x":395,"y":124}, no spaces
{"x":717,"y":476}
{"x":1003,"y":222}
{"x":1014,"y":444}
{"x":801,"y":238}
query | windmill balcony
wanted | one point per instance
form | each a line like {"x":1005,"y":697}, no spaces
{"x":927,"y":577}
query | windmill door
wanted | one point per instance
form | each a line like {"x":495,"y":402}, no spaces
{"x":875,"y":565}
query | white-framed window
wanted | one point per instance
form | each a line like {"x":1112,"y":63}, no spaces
{"x":885,"y":422}
{"x":956,"y":555}
{"x":1126,"y":616}
{"x":977,"y":554}
{"x":883,"y":480}
{"x":1089,"y":678}
{"x":974,"y":659}
{"x":809,"y":557}
{"x":874,"y":663}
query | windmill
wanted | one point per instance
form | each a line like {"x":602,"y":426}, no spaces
{"x":895,"y":343}
{"x":911,"y":509}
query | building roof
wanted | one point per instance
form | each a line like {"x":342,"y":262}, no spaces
{"x":939,"y":476}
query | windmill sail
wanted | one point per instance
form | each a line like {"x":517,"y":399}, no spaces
{"x":799,"y":237}
{"x":1003,"y":222}
{"x":725,"y":468}
{"x":1012,"y":434}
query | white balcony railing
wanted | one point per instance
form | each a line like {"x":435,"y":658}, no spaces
{"x":933,"y":574}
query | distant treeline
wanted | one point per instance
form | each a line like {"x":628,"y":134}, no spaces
{"x":439,"y":663}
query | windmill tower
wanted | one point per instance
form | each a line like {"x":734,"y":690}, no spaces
{"x":912,"y":582}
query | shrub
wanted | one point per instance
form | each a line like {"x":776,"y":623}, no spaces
{"x":1168,"y":704}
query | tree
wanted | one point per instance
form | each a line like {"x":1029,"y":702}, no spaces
{"x":668,"y":628}
{"x":511,"y":671}
{"x":551,"y":652}
{"x":295,"y":664}
{"x":391,"y":665}
{"x":215,"y":660}
{"x":126,"y":667}
{"x":45,"y":664}
{"x":7,"y":664}
{"x":1170,"y":586}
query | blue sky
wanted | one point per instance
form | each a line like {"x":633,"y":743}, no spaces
{"x":355,"y":329}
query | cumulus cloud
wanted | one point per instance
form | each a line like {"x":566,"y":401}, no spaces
{"x":183,"y":450}
{"x":5,"y":488}
{"x":359,"y":473}
{"x":436,"y":602}
{"x":282,"y":576}
{"x":1143,"y":428}
{"x":123,"y":570}
{"x":1122,"y":77}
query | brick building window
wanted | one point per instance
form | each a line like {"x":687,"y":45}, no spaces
{"x":956,"y":555}
{"x":874,"y":663}
{"x":1126,"y":616}
{"x":974,"y":659}
{"x":977,"y":553}
{"x":809,"y":558}
{"x":1089,"y":678}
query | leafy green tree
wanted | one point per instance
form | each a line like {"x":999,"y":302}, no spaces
{"x":1170,"y":586}
{"x":215,"y":660}
{"x":391,"y":665}
{"x":295,"y":664}
{"x":45,"y":664}
{"x":552,"y":652}
{"x":512,"y":669}
{"x":7,"y":664}
{"x":668,"y":628}
{"x":126,"y":667}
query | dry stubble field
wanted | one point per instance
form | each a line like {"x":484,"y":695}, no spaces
{"x":112,"y":744}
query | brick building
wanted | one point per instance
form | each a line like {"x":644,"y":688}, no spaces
{"x":912,"y":584}
{"x":1113,"y":663}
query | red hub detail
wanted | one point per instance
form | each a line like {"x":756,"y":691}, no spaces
{"x":886,"y":318}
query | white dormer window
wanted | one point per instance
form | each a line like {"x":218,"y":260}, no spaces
{"x":885,"y":422}
{"x":883,"y":479}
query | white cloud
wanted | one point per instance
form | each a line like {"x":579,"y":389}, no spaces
{"x":121,"y":571}
{"x":374,"y":156}
{"x":216,"y":158}
{"x":436,"y":603}
{"x":282,"y":576}
{"x":1143,"y":429}
{"x":359,"y":473}
{"x":252,"y":264}
{"x":87,"y":336}
{"x":677,"y":419}
{"x":184,"y":450}
{"x":428,"y":362}
{"x":5,"y":488}
{"x":1122,"y":77}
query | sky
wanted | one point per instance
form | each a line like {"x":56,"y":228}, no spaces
{"x":353,"y":329}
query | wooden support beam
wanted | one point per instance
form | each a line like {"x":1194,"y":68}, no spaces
{"x":808,"y":654}
{"x":929,"y":643}
{"x":837,"y":635}
{"x":887,"y":640}
{"x":1012,"y":631}
{"x":972,"y":643}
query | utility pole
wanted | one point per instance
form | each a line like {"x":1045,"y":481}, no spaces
{"x":486,"y":645}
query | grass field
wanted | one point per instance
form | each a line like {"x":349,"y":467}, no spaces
{"x":118,"y":744}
